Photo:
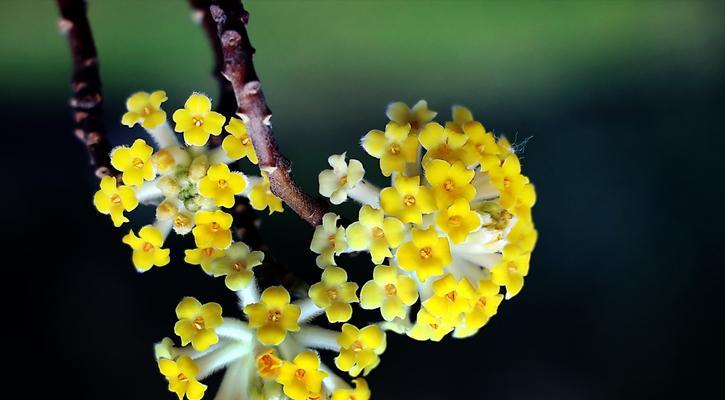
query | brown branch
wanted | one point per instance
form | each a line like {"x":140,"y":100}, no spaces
{"x":231,"y":20}
{"x":87,"y":99}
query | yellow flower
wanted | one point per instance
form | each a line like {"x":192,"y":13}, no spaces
{"x":197,"y":322}
{"x":212,"y":229}
{"x":523,"y":235}
{"x":361,"y":391}
{"x":221,"y":185}
{"x":450,"y":299}
{"x":335,"y":182}
{"x":328,"y":240}
{"x":359,"y":349}
{"x":407,"y":200}
{"x":481,"y":147}
{"x":429,"y":327}
{"x":114,"y":200}
{"x":441,"y":143}
{"x":511,"y":270}
{"x":426,"y":254}
{"x":147,"y":250}
{"x":146,"y":108}
{"x":417,"y":116}
{"x":238,"y":145}
{"x":486,"y":301}
{"x":394,"y":147}
{"x":268,"y":364}
{"x":203,"y":257}
{"x":450,"y":182}
{"x":261,"y":196}
{"x":458,"y":220}
{"x":181,"y":375}
{"x":510,"y":183}
{"x":301,"y":379}
{"x":273,"y":316}
{"x":375,"y":233}
{"x":134,"y":162}
{"x":197,"y":121}
{"x":237,"y":265}
{"x":461,"y":116}
{"x":389,"y":291}
{"x":334,"y":293}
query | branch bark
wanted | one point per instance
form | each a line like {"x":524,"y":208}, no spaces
{"x":231,"y":20}
{"x":87,"y":100}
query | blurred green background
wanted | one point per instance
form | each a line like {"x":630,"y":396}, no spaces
{"x":624,"y":104}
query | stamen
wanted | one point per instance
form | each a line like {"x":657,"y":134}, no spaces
{"x":245,"y":141}
{"x":378,"y":233}
{"x":116,"y":199}
{"x":332,"y":240}
{"x":222,"y":183}
{"x":147,"y":247}
{"x":181,"y":377}
{"x":332,"y":293}
{"x":454,"y":221}
{"x":300,"y":373}
{"x":394,"y":149}
{"x":199,"y":323}
{"x":197,"y":121}
{"x":391,"y":290}
{"x":274,"y":316}
{"x":356,"y":346}
{"x":137,"y":162}
{"x":426,"y":253}
{"x":343,"y":180}
{"x":448,"y":185}
{"x":207,"y":251}
{"x":214,"y":226}
{"x":451,"y":295}
{"x":408,"y":200}
{"x":238,"y":266}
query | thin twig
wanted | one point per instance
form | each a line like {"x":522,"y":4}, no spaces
{"x":87,"y":99}
{"x":231,"y":20}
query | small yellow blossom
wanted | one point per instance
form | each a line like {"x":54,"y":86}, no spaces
{"x":461,"y":116}
{"x":511,"y":184}
{"x":407,"y":200}
{"x":203,"y":257}
{"x":181,"y":375}
{"x":524,"y":235}
{"x":237,"y":265}
{"x":441,"y":143}
{"x":512,"y":269}
{"x":328,"y":240}
{"x":145,"y":108}
{"x":360,"y":348}
{"x":481,"y":147}
{"x":486,"y":301}
{"x":336,"y":182}
{"x":115,"y":200}
{"x":429,"y":327}
{"x":450,"y":182}
{"x":238,"y":144}
{"x":302,"y":379}
{"x":164,"y":160}
{"x":426,"y":254}
{"x":450,"y":299}
{"x":334,"y":293}
{"x":389,"y":291}
{"x":134,"y":162}
{"x":212,"y":229}
{"x":375,"y":233}
{"x":147,"y":250}
{"x":220,"y":185}
{"x":395,"y":147}
{"x":182,"y":223}
{"x":458,"y":220}
{"x":417,"y":116}
{"x":273,"y":316}
{"x":197,"y":121}
{"x":268,"y":364}
{"x":197,"y":322}
{"x":261,"y":196}
{"x":361,"y":391}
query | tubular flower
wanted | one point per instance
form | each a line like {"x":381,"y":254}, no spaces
{"x":261,"y":196}
{"x":197,"y":121}
{"x":429,"y":327}
{"x":481,"y":147}
{"x":407,"y":200}
{"x":426,"y":254}
{"x":237,"y":265}
{"x":361,"y":391}
{"x":145,"y":108}
{"x":212,"y":229}
{"x":395,"y":147}
{"x":197,"y":322}
{"x":181,"y":375}
{"x":334,"y":293}
{"x":389,"y":291}
{"x":165,"y":160}
{"x":268,"y":364}
{"x":450,"y":182}
{"x":273,"y":316}
{"x":147,"y":250}
{"x":203,"y":257}
{"x":375,"y":233}
{"x":486,"y":300}
{"x":114,"y":200}
{"x":417,"y":116}
{"x":220,"y":185}
{"x":328,"y":240}
{"x":134,"y":162}
{"x":450,"y":299}
{"x":511,"y":270}
{"x":336,"y":182}
{"x":458,"y":221}
{"x":302,"y":379}
{"x":238,"y":144}
{"x":359,"y":349}
{"x":441,"y":143}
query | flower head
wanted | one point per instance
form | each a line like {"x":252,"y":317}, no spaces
{"x":134,"y":162}
{"x":197,"y":322}
{"x":114,"y":200}
{"x":261,"y":196}
{"x":335,"y":182}
{"x":197,"y":121}
{"x":360,"y":348}
{"x":212,"y":229}
{"x":407,"y":200}
{"x":334,"y":293}
{"x":417,"y":116}
{"x":268,"y":364}
{"x":450,"y":182}
{"x":301,"y":378}
{"x":328,"y":240}
{"x":273,"y":316}
{"x":238,"y":144}
{"x":458,"y":220}
{"x":220,"y":185}
{"x":236,"y":265}
{"x":389,"y":291}
{"x":147,"y":250}
{"x":375,"y":233}
{"x":181,"y":375}
{"x":395,"y":147}
{"x":426,"y":254}
{"x":361,"y":391}
{"x":146,"y":109}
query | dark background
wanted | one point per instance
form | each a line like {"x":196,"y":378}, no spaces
{"x":624,"y":104}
